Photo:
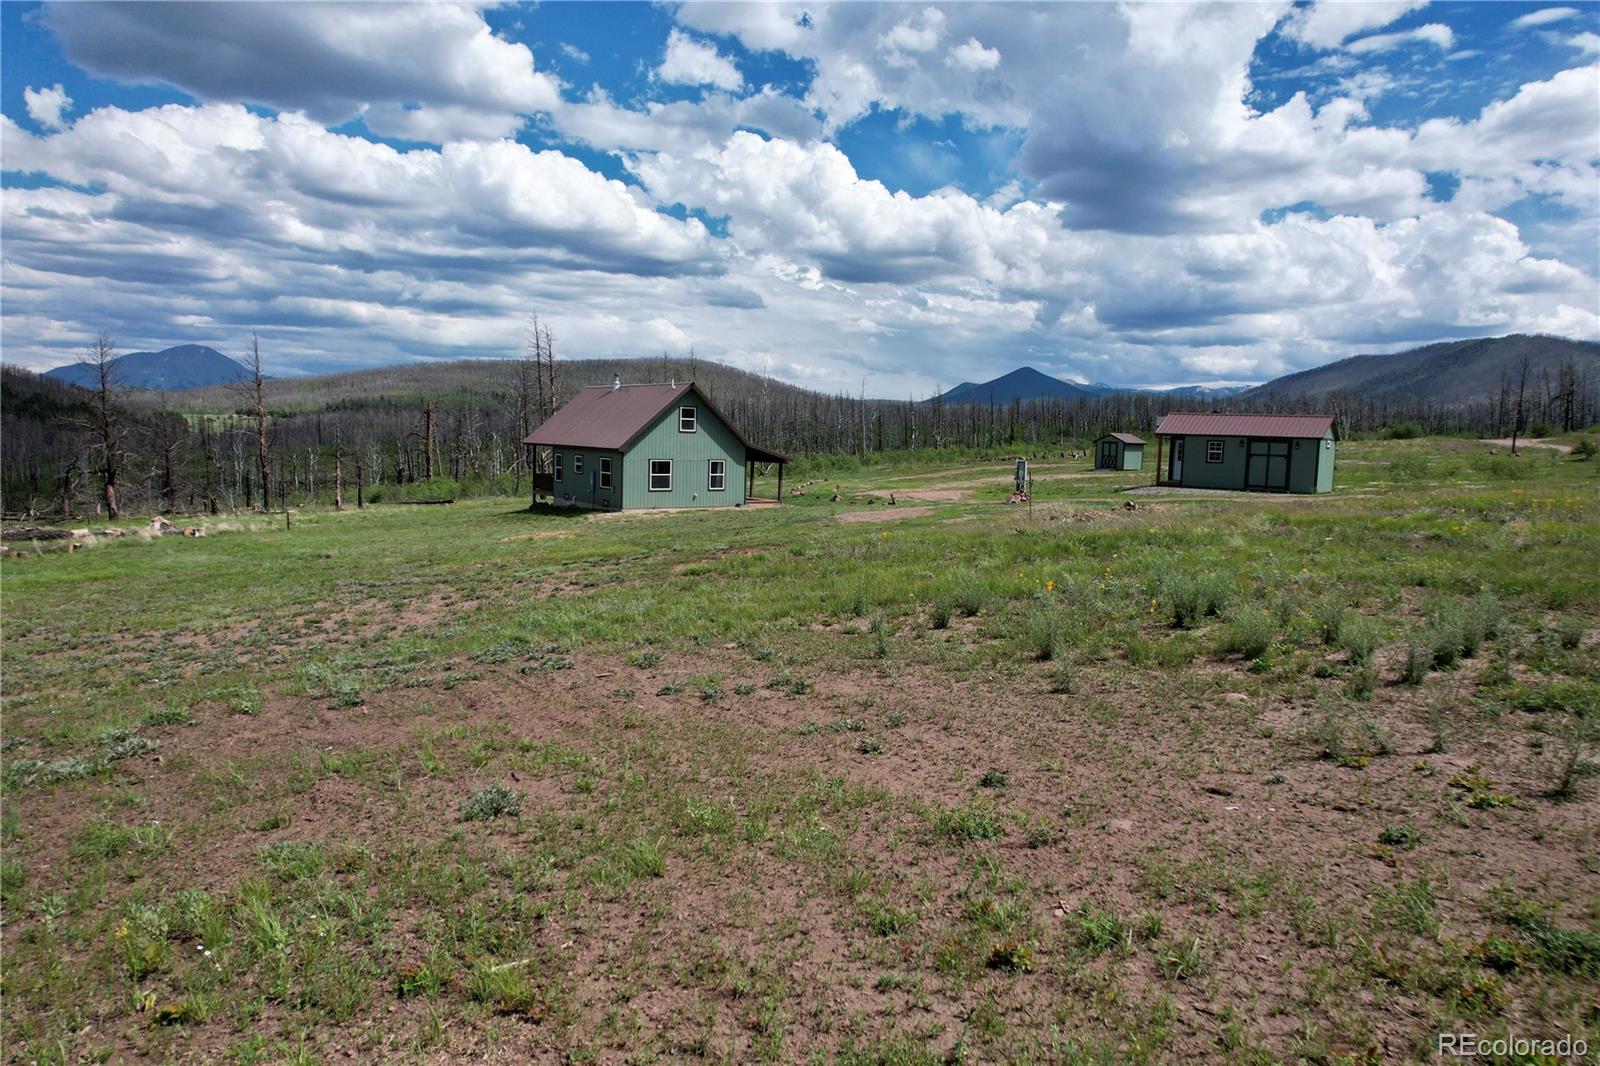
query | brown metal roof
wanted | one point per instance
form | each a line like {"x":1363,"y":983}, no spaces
{"x":609,"y":419}
{"x":1180,"y":424}
{"x":1126,"y":438}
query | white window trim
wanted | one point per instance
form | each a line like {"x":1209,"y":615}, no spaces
{"x":650,"y":475}
{"x":577,"y":464}
{"x":1222,"y":449}
{"x":694,"y":419}
{"x":558,"y":466}
{"x":605,"y":472}
{"x":711,"y":473}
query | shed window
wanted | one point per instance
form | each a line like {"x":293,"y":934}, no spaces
{"x":605,"y":472}
{"x":558,"y":466}
{"x":717,"y":475}
{"x":1214,"y":451}
{"x":577,"y":463}
{"x":686,"y":419}
{"x":661,"y":475}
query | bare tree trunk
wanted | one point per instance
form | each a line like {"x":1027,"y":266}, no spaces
{"x":107,"y":420}
{"x":1522,"y":387}
{"x":338,"y":473}
{"x":427,"y":441}
{"x":255,"y":394}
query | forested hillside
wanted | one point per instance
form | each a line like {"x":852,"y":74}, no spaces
{"x":390,"y":430}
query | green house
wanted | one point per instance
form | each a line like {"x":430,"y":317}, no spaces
{"x":1119,"y":451}
{"x":633,"y":447}
{"x":1259,"y":453}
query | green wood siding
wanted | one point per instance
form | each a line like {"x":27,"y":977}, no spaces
{"x":585,"y":490}
{"x":690,"y":454}
{"x":1325,"y":463}
{"x":1310,"y":463}
{"x":1113,"y":454}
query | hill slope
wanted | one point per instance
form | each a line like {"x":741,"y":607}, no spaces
{"x":1453,"y":372}
{"x":186,"y":366}
{"x":1023,"y":383}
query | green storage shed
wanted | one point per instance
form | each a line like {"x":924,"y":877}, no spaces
{"x":1257,"y":453}
{"x":1119,"y":451}
{"x":633,"y":447}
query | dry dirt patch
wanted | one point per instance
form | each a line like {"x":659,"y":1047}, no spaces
{"x":886,"y":515}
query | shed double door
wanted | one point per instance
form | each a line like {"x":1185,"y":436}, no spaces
{"x":1267,"y":466}
{"x":1108,"y":455}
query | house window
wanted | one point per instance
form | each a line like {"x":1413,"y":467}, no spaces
{"x":717,"y":476}
{"x":605,"y":473}
{"x":661,"y":475}
{"x":1214,"y":451}
{"x":686,"y":419}
{"x":577,"y":464}
{"x":558,"y":466}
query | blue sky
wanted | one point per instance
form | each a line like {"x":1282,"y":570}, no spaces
{"x":916,"y":194}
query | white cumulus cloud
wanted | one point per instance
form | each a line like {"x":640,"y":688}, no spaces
{"x":334,"y":61}
{"x":972,"y":55}
{"x":692,"y":62}
{"x":48,"y":106}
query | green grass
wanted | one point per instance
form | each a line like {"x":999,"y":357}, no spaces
{"x":469,"y":780}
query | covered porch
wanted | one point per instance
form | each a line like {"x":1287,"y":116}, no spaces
{"x":759,"y":462}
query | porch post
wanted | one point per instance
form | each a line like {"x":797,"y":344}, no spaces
{"x":1159,"y":442}
{"x":780,"y":482}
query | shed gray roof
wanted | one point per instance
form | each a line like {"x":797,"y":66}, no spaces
{"x":1180,"y":424}
{"x":610,"y":419}
{"x":1126,"y":438}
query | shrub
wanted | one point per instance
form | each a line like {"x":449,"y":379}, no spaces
{"x":1488,"y":617}
{"x":1098,"y":930}
{"x":880,"y":637}
{"x":1418,"y":658}
{"x":1045,"y":632}
{"x":503,"y":988}
{"x":1014,"y":955}
{"x":1410,"y":906}
{"x":1248,"y":633}
{"x":1573,"y":951}
{"x":1403,"y":837}
{"x":1585,"y":449}
{"x":941,"y":611}
{"x":1064,"y":680}
{"x":969,"y":595}
{"x":1570,"y":767}
{"x":1194,"y":598}
{"x":884,"y":920}
{"x":491,"y":802}
{"x":1441,"y":706}
{"x":1329,"y":615}
{"x":1363,"y":679}
{"x":994,"y":778}
{"x":967,"y":823}
{"x":1360,"y":637}
{"x":1570,"y":631}
{"x":123,"y":744}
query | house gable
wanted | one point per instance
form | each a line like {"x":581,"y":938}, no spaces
{"x":690,"y":454}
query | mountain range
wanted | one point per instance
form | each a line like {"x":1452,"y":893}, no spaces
{"x":1449,"y":373}
{"x":186,"y":366}
{"x":1026,"y":383}
{"x":1453,"y":372}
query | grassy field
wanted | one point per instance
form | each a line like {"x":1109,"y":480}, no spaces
{"x":1120,"y":778}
